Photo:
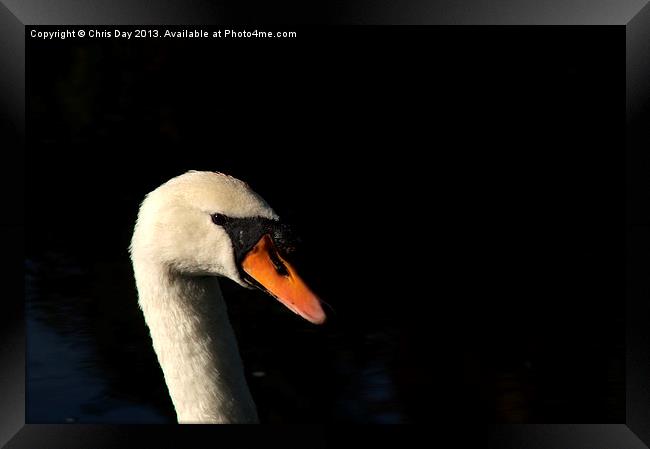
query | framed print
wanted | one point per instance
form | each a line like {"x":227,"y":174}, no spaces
{"x":223,"y":214}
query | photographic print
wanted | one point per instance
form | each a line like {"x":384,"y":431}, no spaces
{"x":428,"y":172}
{"x":248,"y":219}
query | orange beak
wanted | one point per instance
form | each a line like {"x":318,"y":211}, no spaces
{"x":279,"y":278}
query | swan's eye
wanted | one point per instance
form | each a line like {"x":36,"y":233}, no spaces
{"x":218,"y":219}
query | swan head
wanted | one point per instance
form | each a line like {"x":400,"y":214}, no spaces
{"x":211,"y":224}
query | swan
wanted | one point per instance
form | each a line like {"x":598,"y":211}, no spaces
{"x":189,"y":231}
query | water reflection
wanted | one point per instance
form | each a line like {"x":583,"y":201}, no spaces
{"x":62,"y":390}
{"x":77,"y":365}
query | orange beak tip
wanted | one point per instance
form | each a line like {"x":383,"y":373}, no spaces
{"x":318,"y":319}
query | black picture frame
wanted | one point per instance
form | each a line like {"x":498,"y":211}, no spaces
{"x":634,"y":16}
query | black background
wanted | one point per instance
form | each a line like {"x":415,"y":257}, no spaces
{"x":458,"y":191}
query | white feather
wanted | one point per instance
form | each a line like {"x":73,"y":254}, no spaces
{"x":176,"y":252}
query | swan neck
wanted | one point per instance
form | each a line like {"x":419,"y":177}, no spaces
{"x":196,"y":346}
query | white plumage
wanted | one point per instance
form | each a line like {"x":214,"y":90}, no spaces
{"x":177,"y":252}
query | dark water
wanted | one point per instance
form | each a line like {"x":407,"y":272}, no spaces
{"x":66,"y":376}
